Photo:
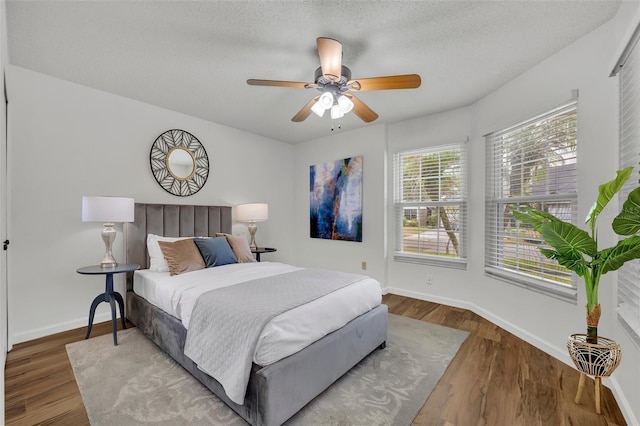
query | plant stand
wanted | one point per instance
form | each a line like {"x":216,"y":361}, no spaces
{"x":593,"y":359}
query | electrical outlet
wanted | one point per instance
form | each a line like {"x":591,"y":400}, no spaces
{"x":429,"y":279}
{"x":364,"y":265}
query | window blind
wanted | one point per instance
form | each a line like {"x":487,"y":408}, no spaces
{"x":629,"y":150}
{"x":531,"y":164}
{"x":430,"y":205}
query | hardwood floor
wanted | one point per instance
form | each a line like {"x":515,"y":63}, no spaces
{"x":40,"y":388}
{"x":495,"y":379}
{"x":498,"y":379}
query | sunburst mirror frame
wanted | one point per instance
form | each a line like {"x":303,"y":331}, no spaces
{"x":171,"y":182}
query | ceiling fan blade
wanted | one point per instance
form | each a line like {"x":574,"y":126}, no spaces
{"x":406,"y":81}
{"x":330,"y":52}
{"x":360,"y":109}
{"x":277,"y":83}
{"x":305,"y":111}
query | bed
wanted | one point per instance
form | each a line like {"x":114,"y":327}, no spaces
{"x":275,"y":392}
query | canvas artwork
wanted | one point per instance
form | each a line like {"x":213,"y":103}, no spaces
{"x":336,"y":200}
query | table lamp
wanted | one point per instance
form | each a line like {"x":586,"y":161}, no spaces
{"x":108,"y":210}
{"x":252,"y":213}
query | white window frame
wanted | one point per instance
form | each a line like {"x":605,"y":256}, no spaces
{"x":628,"y":70}
{"x":460,"y":202}
{"x":496,"y":263}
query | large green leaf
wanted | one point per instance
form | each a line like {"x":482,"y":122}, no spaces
{"x":628,"y":221}
{"x":614,"y":257}
{"x":572,"y":261}
{"x":568,"y":239}
{"x":528,"y":219}
{"x":543,"y":216}
{"x":533,"y":217}
{"x":606,"y":192}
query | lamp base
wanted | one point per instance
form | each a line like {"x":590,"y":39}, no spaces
{"x":108,"y":236}
{"x":252,"y":231}
{"x":108,"y":263}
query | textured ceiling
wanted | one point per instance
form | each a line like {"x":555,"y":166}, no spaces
{"x":195,"y":57}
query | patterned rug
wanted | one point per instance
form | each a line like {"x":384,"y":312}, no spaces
{"x":135,"y":383}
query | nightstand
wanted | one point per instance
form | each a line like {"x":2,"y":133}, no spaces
{"x":259,"y":250}
{"x":109,"y":295}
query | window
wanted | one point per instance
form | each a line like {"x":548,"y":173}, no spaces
{"x":533,"y":164}
{"x":430,"y":206}
{"x":629,"y":151}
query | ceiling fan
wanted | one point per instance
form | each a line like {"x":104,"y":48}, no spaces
{"x":337,"y":88}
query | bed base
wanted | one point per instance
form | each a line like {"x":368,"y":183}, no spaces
{"x":278,"y":391}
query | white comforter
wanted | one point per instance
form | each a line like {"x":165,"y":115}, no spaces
{"x":284,"y":335}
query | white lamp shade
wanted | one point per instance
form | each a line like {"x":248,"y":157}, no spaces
{"x":252,"y":212}
{"x":346,"y":104}
{"x":326,"y":100}
{"x":318,"y":109}
{"x":336,"y":112}
{"x":107,"y":209}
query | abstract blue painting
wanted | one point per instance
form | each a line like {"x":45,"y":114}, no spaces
{"x":335,"y":190}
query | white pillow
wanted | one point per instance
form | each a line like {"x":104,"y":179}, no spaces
{"x":157,"y":261}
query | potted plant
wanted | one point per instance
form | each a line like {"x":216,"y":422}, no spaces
{"x":577,"y":250}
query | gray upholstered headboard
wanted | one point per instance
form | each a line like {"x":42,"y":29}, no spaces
{"x":170,"y":220}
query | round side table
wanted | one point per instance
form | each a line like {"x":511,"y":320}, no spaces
{"x":259,"y":250}
{"x":109,"y":295}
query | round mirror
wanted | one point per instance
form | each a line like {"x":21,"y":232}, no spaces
{"x":179,"y":162}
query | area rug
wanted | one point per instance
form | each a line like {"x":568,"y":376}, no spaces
{"x":135,"y":383}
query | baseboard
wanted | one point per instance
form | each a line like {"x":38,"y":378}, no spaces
{"x":554,"y":351}
{"x":558,"y":353}
{"x":36,"y":333}
{"x":623,"y":403}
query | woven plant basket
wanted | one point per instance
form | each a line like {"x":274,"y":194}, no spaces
{"x":595,"y":359}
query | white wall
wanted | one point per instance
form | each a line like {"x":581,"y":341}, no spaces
{"x":3,"y":254}
{"x":67,"y":141}
{"x":542,"y":320}
{"x":344,"y":255}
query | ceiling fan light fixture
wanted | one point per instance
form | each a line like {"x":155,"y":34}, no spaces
{"x":333,"y":80}
{"x":318,"y":109}
{"x":326,"y":100}
{"x":346,"y":105}
{"x":336,"y":112}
